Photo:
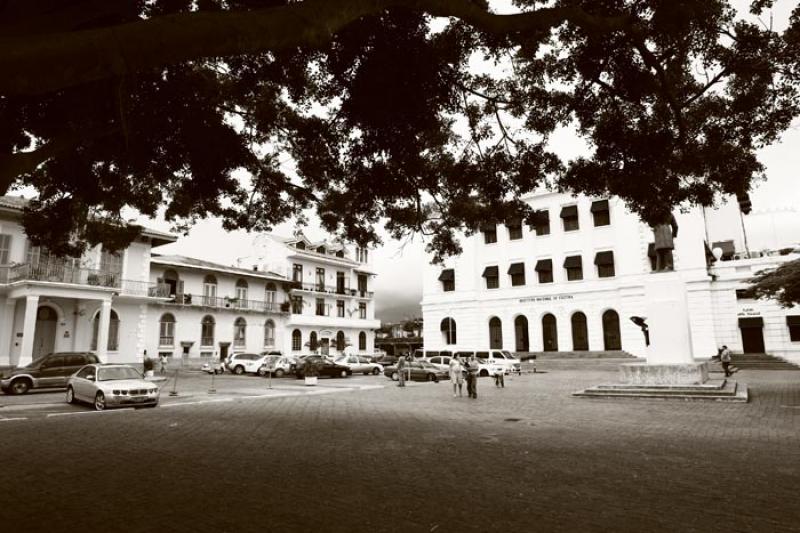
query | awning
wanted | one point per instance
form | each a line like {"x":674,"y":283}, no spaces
{"x":728,"y":249}
{"x":544,"y":265}
{"x":604,"y":258}
{"x":569,"y":211}
{"x":516,"y":268}
{"x":599,"y":205}
{"x":751,"y":322}
{"x":651,"y":249}
{"x":573,"y":261}
{"x":793,"y":320}
{"x":540,"y":218}
{"x":448,"y":274}
{"x":491,"y":272}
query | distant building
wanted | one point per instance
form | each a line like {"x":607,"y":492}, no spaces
{"x":573,"y":280}
{"x":397,"y":338}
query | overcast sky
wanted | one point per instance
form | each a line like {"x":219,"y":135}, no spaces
{"x":398,"y":286}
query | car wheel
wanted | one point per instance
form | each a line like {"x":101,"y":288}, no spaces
{"x":239,"y":370}
{"x":376,"y":371}
{"x":431,"y":377}
{"x":343,"y":373}
{"x":70,"y":395}
{"x":99,"y":401}
{"x":262,"y":372}
{"x":484,"y":373}
{"x":279,"y":373}
{"x":395,"y":376}
{"x":21,"y":386}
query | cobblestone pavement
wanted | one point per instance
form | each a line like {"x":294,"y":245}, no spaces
{"x":529,"y":457}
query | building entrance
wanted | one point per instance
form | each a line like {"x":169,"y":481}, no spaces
{"x":223,"y":350}
{"x":611,"y":336}
{"x":752,"y":329}
{"x":44,"y":337}
{"x":549,"y":333}
{"x":521,"y":333}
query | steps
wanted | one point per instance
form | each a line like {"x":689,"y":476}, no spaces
{"x":609,"y":354}
{"x":717,"y":390}
{"x":755,"y":361}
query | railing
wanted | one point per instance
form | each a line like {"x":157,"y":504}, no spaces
{"x":206,"y":341}
{"x":333,"y":289}
{"x":63,"y":272}
{"x":144,"y":288}
{"x":4,"y":270}
{"x":166,"y":341}
{"x":224,"y":302}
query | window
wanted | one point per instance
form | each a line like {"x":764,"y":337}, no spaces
{"x":495,"y":333}
{"x":491,"y":273}
{"x":111,"y":262}
{"x":362,"y":341}
{"x":207,"y":331}
{"x":340,"y":341}
{"x":313,"y":343}
{"x":240,"y":332}
{"x":544,"y":268}
{"x":113,"y":332}
{"x":489,"y":234}
{"x":340,"y":308}
{"x":297,"y":305}
{"x":541,"y":222}
{"x":793,"y":323}
{"x":300,"y":245}
{"x":269,"y":296}
{"x":166,"y":330}
{"x":5,"y":248}
{"x":362,"y":310}
{"x":448,"y":328}
{"x":362,"y":284}
{"x":241,"y":293}
{"x":600,"y":213}
{"x":340,"y":285}
{"x":320,"y":306}
{"x":744,"y":294}
{"x":320,"y":249}
{"x":297,"y":273}
{"x":362,"y":255}
{"x":269,"y":333}
{"x":320,"y":279}
{"x":209,"y":290}
{"x":569,"y":216}
{"x":517,"y":273}
{"x":297,"y":340}
{"x":514,"y":230}
{"x":574,"y":267}
{"x":447,"y":277}
{"x":605,"y":264}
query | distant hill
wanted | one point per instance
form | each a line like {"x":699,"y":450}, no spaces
{"x":394,"y":308}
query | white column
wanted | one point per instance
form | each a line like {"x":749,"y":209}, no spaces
{"x":102,"y":330}
{"x":28,"y":330}
{"x":6,"y":328}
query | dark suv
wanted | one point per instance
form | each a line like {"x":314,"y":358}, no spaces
{"x":48,"y":371}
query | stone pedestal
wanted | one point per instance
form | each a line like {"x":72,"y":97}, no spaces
{"x":676,"y":374}
{"x":667,"y":314}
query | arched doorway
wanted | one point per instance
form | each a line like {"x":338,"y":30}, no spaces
{"x":495,"y":333}
{"x":580,"y":333}
{"x":521,"y":334}
{"x":611,"y":335}
{"x":549,"y":333}
{"x":44,"y":336}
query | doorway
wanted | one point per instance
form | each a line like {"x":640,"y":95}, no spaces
{"x":611,"y":337}
{"x":752,"y":329}
{"x":44,"y":337}
{"x":521,"y":333}
{"x":580,"y":333}
{"x":223,"y":350}
{"x":549,"y":333}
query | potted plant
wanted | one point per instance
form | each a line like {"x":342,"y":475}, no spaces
{"x":148,"y":365}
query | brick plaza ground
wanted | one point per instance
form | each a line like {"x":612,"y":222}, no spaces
{"x":348,"y":456}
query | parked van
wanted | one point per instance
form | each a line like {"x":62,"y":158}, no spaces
{"x":494,"y":360}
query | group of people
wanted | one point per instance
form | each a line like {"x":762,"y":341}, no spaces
{"x":460,"y":371}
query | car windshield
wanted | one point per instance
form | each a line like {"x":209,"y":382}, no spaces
{"x":117,"y":372}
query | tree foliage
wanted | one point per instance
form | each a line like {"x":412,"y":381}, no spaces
{"x":781,"y":284}
{"x":366,"y":111}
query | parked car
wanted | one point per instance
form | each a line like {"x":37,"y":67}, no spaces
{"x":420,"y":371}
{"x":387,"y":360}
{"x":213,"y":367}
{"x":49,"y":371}
{"x":278,"y":365}
{"x":325,"y":367}
{"x":239,"y":363}
{"x":359,"y":364}
{"x":111,"y":386}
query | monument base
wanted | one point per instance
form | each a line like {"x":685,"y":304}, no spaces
{"x":663,"y":374}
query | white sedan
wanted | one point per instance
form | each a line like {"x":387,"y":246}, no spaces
{"x":359,"y":365}
{"x":111,"y":386}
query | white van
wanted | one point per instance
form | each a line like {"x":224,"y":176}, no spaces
{"x":494,"y":360}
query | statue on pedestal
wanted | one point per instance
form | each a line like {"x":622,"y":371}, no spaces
{"x":664,"y":234}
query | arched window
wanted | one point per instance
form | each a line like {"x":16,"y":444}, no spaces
{"x":448,"y":328}
{"x":297,"y":340}
{"x":210,"y":291}
{"x":207,"y":331}
{"x":166,"y":330}
{"x":241,"y":293}
{"x":495,"y":333}
{"x":269,"y":296}
{"x":580,"y":334}
{"x":313,"y":344}
{"x":269,"y":333}
{"x":113,"y":331}
{"x":340,"y":341}
{"x":549,"y":333}
{"x":240,"y":333}
{"x":521,"y":333}
{"x":611,"y":335}
{"x":362,"y":341}
{"x":320,"y":249}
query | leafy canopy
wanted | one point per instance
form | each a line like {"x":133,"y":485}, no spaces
{"x":781,"y":284}
{"x":366,"y":111}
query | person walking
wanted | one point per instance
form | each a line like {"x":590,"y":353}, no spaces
{"x":499,"y":378}
{"x":401,"y":371}
{"x":725,"y":358}
{"x":457,"y":375}
{"x":472,"y":377}
{"x":163,"y":367}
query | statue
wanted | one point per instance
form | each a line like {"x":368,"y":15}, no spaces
{"x":664,"y":234}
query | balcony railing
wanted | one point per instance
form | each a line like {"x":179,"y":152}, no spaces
{"x":63,"y":272}
{"x":144,"y":288}
{"x":217,"y":302}
{"x":332,"y":289}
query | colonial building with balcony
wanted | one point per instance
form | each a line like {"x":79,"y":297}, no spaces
{"x":96,"y":302}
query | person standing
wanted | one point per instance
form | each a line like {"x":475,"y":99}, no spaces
{"x":725,"y":358}
{"x":499,"y":378}
{"x":401,"y":371}
{"x":163,"y":367}
{"x":472,"y":377}
{"x":457,"y":375}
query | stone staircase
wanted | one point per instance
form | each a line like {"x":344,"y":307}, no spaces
{"x":755,"y":361}
{"x":718,"y":390}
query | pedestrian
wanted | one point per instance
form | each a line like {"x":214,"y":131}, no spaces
{"x":725,"y":357}
{"x":457,"y":375}
{"x":163,"y":368}
{"x":472,"y":377}
{"x":401,"y":371}
{"x":499,"y":378}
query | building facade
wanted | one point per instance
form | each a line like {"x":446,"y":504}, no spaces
{"x":573,"y":280}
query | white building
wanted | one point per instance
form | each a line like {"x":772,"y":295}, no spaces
{"x":573,"y":281}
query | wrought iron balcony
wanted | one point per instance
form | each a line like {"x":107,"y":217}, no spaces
{"x":63,"y":272}
{"x":226,"y":302}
